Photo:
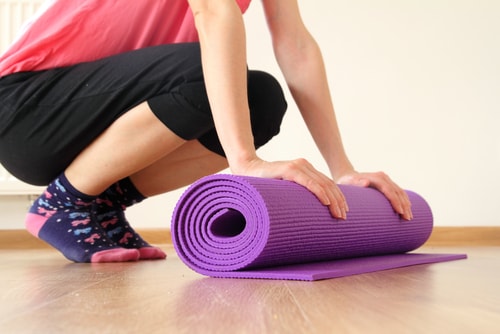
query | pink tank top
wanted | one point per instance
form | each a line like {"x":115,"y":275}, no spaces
{"x":66,"y":32}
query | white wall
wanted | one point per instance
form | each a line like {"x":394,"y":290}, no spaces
{"x":416,"y":86}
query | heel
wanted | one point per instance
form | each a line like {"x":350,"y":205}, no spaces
{"x":34,"y":223}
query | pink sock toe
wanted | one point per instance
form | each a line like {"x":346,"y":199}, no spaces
{"x":116,"y":255}
{"x":151,"y":253}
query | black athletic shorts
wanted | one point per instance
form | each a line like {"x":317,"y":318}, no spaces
{"x":48,"y":117}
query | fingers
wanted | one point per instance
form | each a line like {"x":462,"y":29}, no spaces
{"x":326,"y":190}
{"x":398,"y":197}
{"x":303,"y":173}
{"x":380,"y":181}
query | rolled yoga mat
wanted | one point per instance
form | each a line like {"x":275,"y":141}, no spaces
{"x":247,"y":227}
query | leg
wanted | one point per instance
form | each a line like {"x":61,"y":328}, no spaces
{"x":135,"y":141}
{"x":154,"y":161}
{"x":157,"y":163}
{"x":97,"y":138}
{"x":57,"y":215}
{"x":179,"y":168}
{"x":152,"y":152}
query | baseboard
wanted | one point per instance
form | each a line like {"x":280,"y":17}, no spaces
{"x":441,"y":236}
{"x":22,"y":239}
{"x":465,"y":236}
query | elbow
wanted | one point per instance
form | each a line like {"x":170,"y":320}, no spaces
{"x":208,"y":14}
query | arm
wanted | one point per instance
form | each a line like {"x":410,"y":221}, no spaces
{"x":223,"y":47}
{"x":222,"y":39}
{"x":301,"y":62}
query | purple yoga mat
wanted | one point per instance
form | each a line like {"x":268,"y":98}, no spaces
{"x":247,"y":227}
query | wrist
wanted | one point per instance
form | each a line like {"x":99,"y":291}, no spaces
{"x":340,"y":169}
{"x":238,"y":163}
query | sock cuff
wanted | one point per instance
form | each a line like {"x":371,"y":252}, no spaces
{"x":64,"y":182}
{"x":130,"y":191}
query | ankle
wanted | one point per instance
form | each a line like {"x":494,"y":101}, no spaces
{"x":122,"y":194}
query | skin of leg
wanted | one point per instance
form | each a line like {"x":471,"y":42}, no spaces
{"x":179,"y":168}
{"x":133,"y":142}
{"x":139,"y":145}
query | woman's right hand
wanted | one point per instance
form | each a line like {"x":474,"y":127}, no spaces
{"x":301,"y":172}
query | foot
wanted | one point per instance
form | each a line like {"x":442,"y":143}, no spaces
{"x":61,"y":217}
{"x":114,"y":223}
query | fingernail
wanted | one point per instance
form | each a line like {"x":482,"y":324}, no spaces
{"x":338,"y":212}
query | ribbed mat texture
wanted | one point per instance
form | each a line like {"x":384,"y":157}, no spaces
{"x":247,"y":227}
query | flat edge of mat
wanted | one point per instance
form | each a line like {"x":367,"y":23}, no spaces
{"x":339,"y":268}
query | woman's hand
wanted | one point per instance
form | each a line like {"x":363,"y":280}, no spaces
{"x":302,"y":172}
{"x":380,"y":181}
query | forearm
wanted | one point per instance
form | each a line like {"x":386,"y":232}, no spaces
{"x":304,"y":71}
{"x":222,"y":39}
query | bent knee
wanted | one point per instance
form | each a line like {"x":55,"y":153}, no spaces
{"x":267,"y":106}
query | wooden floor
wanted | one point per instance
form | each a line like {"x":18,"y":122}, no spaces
{"x":41,"y":292}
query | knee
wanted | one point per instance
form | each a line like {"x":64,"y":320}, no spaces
{"x":267,"y":106}
{"x":265,"y":98}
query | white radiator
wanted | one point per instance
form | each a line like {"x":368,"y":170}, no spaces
{"x":13,"y":13}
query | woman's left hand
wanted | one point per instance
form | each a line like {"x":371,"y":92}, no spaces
{"x":383,"y":183}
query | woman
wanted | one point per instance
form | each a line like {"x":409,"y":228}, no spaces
{"x":110,"y":102}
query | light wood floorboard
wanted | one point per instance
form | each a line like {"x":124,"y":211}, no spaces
{"x":44,"y":293}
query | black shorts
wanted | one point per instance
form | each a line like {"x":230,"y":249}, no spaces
{"x":48,"y":117}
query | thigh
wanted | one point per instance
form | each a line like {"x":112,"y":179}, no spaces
{"x":49,"y":117}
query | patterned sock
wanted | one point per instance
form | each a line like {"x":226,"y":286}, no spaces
{"x":109,"y":209}
{"x":61,"y":217}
